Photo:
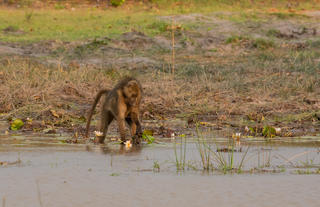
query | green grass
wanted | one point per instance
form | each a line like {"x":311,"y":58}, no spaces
{"x":262,"y":43}
{"x":283,"y":15}
{"x":81,"y":24}
{"x":235,"y":39}
{"x":273,"y":33}
{"x":60,"y":23}
{"x":258,"y":43}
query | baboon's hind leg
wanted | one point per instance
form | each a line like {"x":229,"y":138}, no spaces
{"x":122,"y":130}
{"x":106,"y":119}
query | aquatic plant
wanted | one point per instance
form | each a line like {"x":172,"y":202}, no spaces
{"x":16,"y":124}
{"x":156,"y":166}
{"x":148,"y":138}
{"x":180,"y":158}
{"x":203,"y":149}
{"x":214,"y":159}
{"x":269,"y":131}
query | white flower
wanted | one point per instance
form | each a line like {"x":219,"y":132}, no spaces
{"x":278,"y":130}
{"x":128,"y":144}
{"x":98,"y":133}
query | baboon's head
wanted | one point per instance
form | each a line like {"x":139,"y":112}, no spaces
{"x":131,"y":92}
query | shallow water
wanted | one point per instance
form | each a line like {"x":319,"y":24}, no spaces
{"x":50,"y":173}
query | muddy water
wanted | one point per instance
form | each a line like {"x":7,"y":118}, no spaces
{"x":41,"y":171}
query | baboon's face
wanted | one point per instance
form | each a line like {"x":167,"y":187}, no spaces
{"x":131,"y":92}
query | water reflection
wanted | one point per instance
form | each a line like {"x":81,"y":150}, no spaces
{"x":93,"y":175}
{"x":117,"y":149}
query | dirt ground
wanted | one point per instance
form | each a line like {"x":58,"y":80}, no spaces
{"x":229,"y":76}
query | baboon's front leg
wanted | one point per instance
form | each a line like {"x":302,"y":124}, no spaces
{"x":121,"y":115}
{"x":132,"y":125}
{"x":136,"y":128}
{"x":133,"y":128}
{"x":136,"y":121}
{"x":121,"y":124}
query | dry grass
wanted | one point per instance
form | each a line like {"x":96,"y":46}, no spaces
{"x":241,"y":84}
{"x":263,"y":82}
{"x":28,"y":85}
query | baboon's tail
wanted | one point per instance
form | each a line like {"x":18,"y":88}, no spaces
{"x":96,"y":100}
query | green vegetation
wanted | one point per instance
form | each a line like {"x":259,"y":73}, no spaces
{"x":258,"y":43}
{"x":269,"y":131}
{"x":180,"y":155}
{"x":231,"y":59}
{"x":67,"y":25}
{"x":72,"y":23}
{"x":156,"y":166}
{"x":235,"y":39}
{"x":273,"y":33}
{"x":148,"y":138}
{"x":204,"y":151}
{"x":214,"y":158}
{"x":308,"y":172}
{"x":117,"y":2}
{"x":287,"y":15}
{"x":16,"y":124}
{"x":262,"y":43}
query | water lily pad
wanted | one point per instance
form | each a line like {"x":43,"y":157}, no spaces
{"x":16,"y":124}
{"x":148,"y":138}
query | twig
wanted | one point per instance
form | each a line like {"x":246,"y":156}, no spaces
{"x":172,"y":38}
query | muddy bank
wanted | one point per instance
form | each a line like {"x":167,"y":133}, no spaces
{"x":230,"y":76}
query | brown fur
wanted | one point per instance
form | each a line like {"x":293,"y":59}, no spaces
{"x":123,"y":104}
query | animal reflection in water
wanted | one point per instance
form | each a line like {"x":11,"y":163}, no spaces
{"x":115,"y":149}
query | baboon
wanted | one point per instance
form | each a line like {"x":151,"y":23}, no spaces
{"x":123,"y":104}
